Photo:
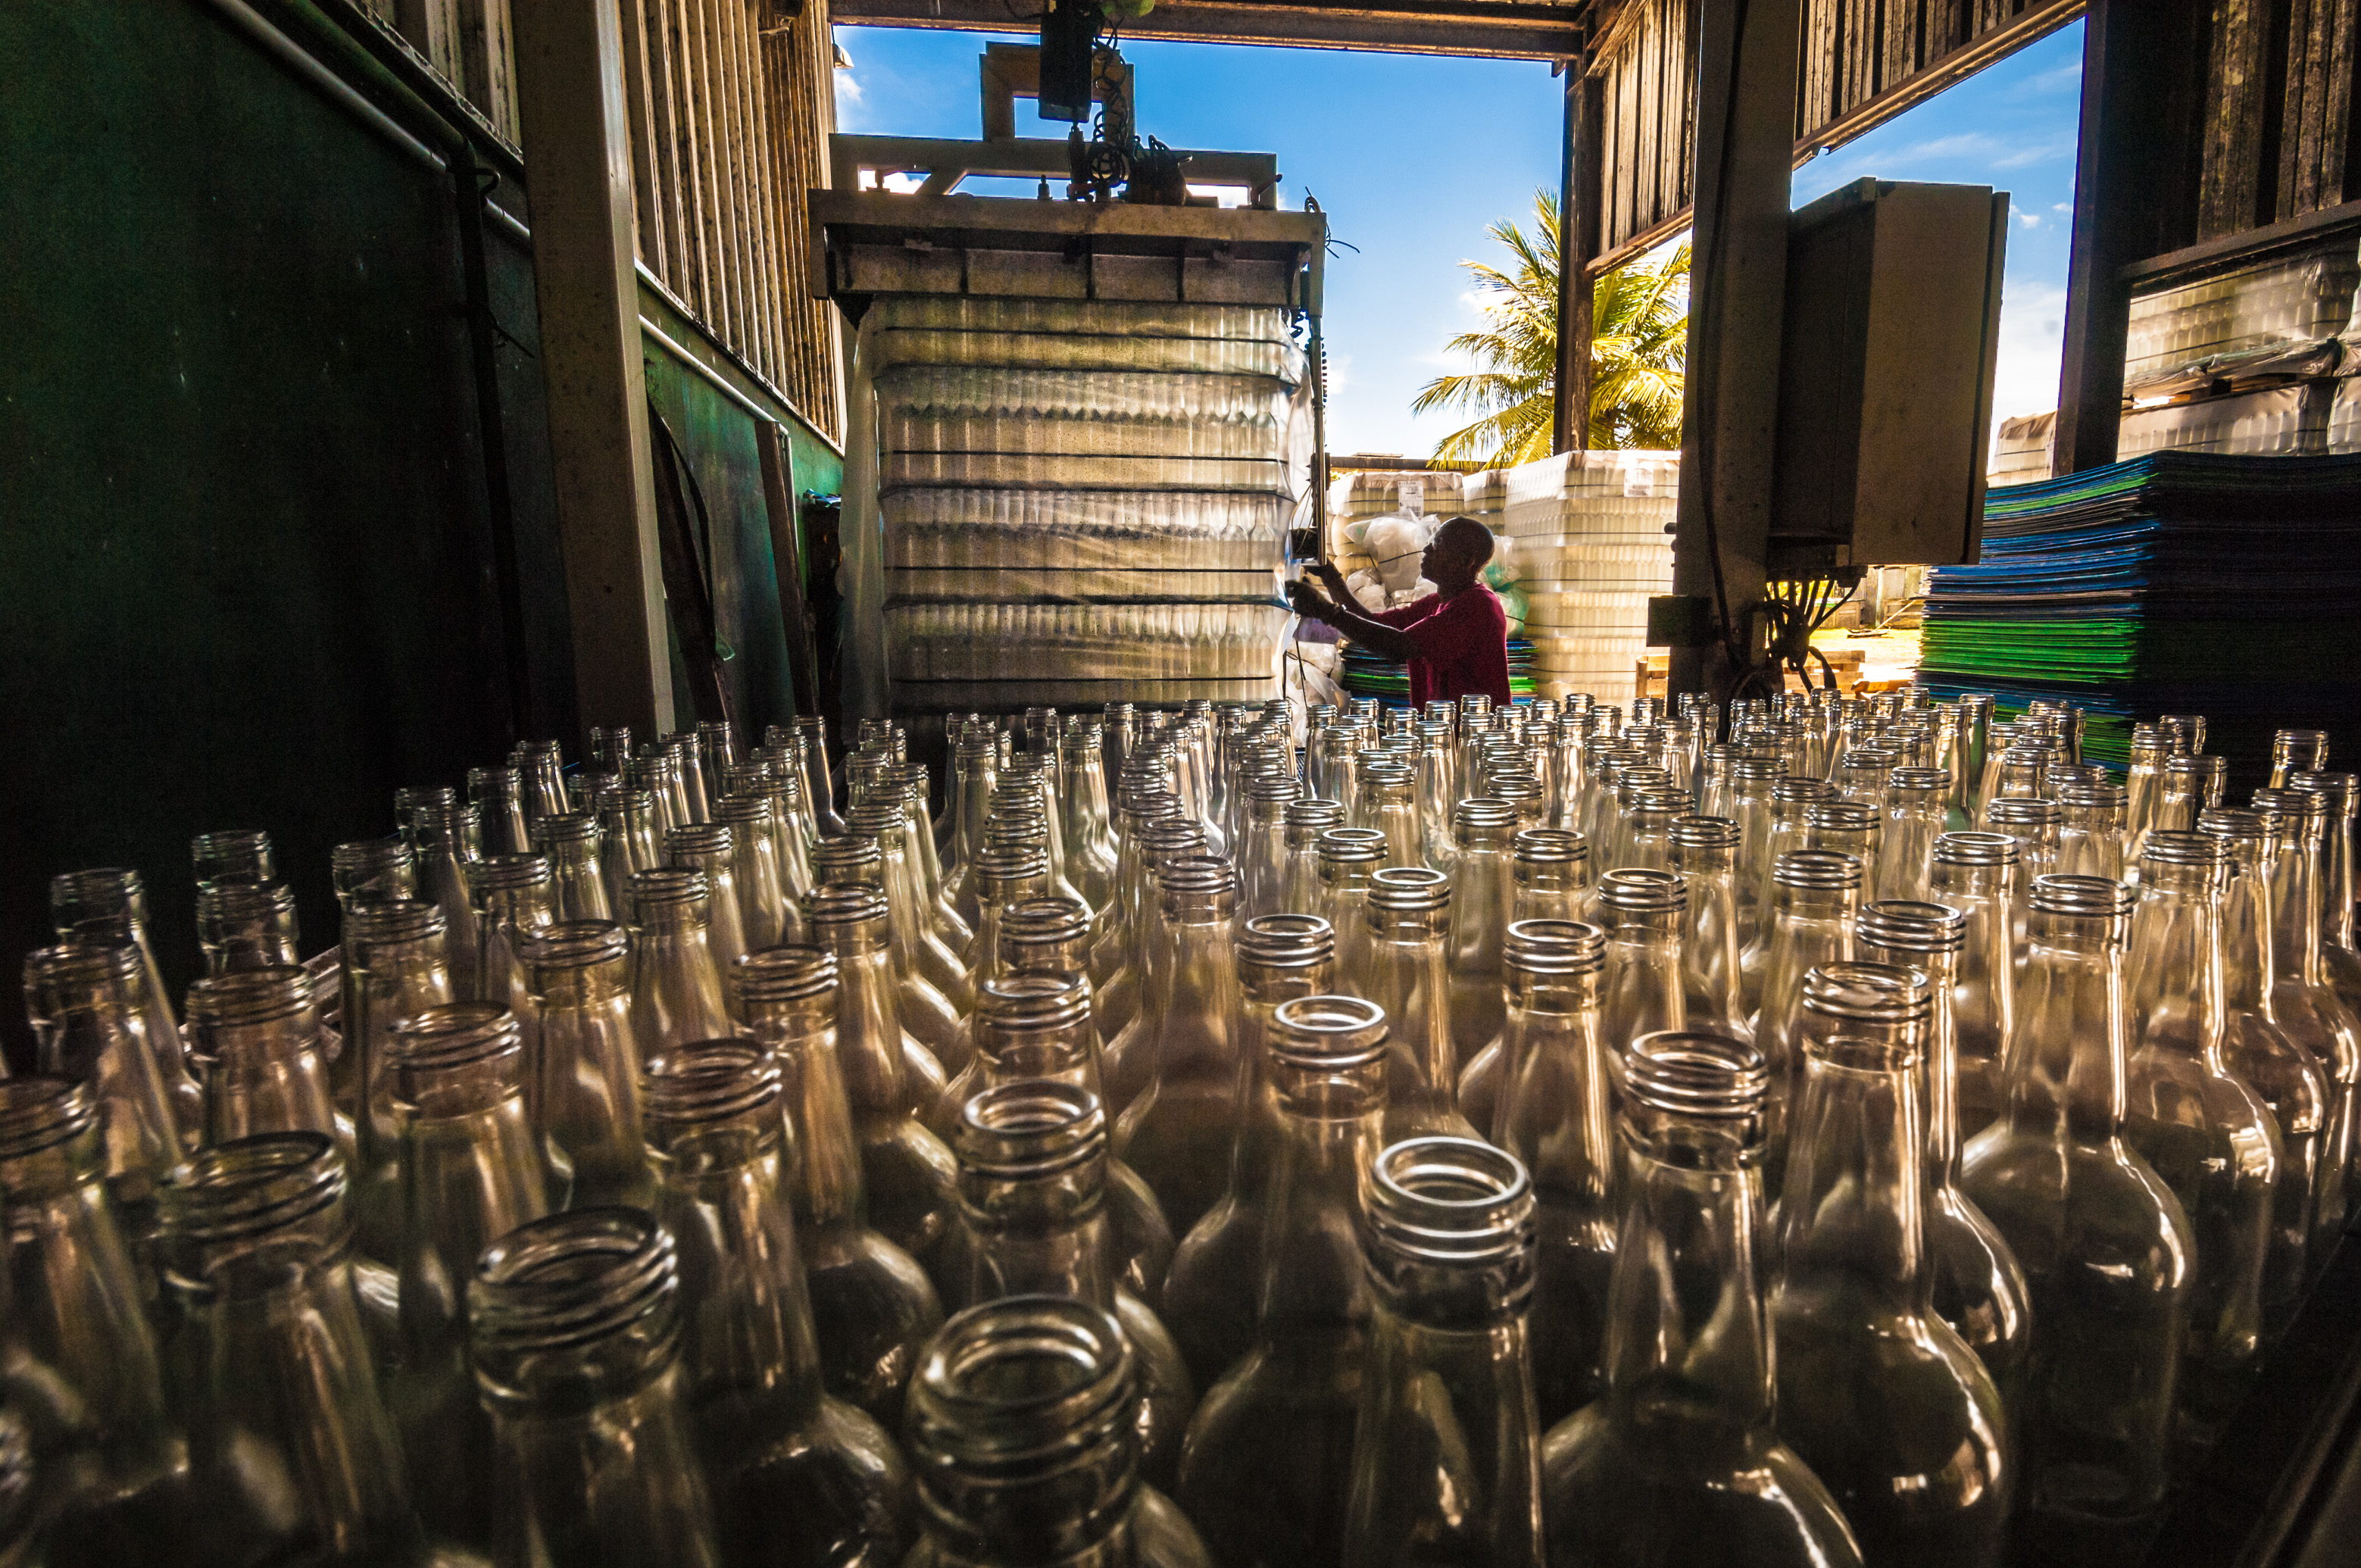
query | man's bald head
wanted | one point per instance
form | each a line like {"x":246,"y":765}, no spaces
{"x":1456,"y":553}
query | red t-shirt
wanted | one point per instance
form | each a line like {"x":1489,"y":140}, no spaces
{"x":1462,"y":645}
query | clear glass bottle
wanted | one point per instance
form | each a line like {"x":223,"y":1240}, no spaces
{"x":1817,"y":896}
{"x":1262,"y":852}
{"x":2105,"y":1247}
{"x":2338,"y":952}
{"x":1679,"y":1460}
{"x":471,"y":1172}
{"x":290,"y":1449}
{"x":1976,"y":873}
{"x":236,"y":854}
{"x":1889,"y":1407}
{"x":1556,"y":1115}
{"x":627,"y":843}
{"x":1549,"y":873}
{"x":755,"y":869}
{"x":1404,"y":969}
{"x":1848,"y":828}
{"x":514,"y":897}
{"x":363,"y":871}
{"x":1389,"y":797}
{"x":255,"y":1035}
{"x":85,"y":1368}
{"x":1268,"y":1462}
{"x":1977,"y":1286}
{"x":2091,"y":831}
{"x":1482,"y":893}
{"x":1303,"y":820}
{"x":975,"y":761}
{"x":2290,"y":1080}
{"x":1704,"y":857}
{"x":919,"y":951}
{"x":2141,"y":782}
{"x":910,"y":1179}
{"x":111,"y":905}
{"x":1034,"y":1192}
{"x":676,"y":995}
{"x":1639,"y":988}
{"x":1007,"y":874}
{"x":799,"y":1478}
{"x":1082,"y":798}
{"x":1750,"y":782}
{"x":1177,"y":1132}
{"x":1446,"y":1451}
{"x":2197,"y":1121}
{"x":542,"y":765}
{"x":1025,"y":1434}
{"x":569,"y":841}
{"x":398,"y":958}
{"x":82,"y":1000}
{"x":447,"y":842}
{"x":497,"y":795}
{"x":711,"y":848}
{"x":582,"y":1063}
{"x":872,"y":1306}
{"x":246,"y":925}
{"x":1348,"y":856}
{"x":2308,"y":1006}
{"x":1789,"y":797}
{"x":575,"y":1332}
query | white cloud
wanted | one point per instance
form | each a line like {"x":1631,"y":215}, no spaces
{"x":2032,"y":336}
{"x":2030,"y":220}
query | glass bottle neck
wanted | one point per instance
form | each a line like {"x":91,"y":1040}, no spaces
{"x":2295,"y":897}
{"x":1853,"y":1211}
{"x":2249,"y":943}
{"x":2067,"y":1053}
{"x":2174,"y":969}
{"x":1315,"y":1289}
{"x":751,"y":1339}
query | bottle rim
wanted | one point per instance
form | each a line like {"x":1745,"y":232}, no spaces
{"x":1191,"y":877}
{"x":1028,"y":1001}
{"x":1327,"y":1033}
{"x":714,"y":838}
{"x":1975,"y":847}
{"x":1928,"y":779}
{"x":683,"y":888}
{"x":2082,"y":895}
{"x":573,"y":944}
{"x":1550,"y":846}
{"x":2341,"y":791}
{"x":84,"y":961}
{"x":1004,"y":865}
{"x":709,"y":1081}
{"x":1409,"y":889}
{"x":1043,"y":922}
{"x":259,"y":995}
{"x":1911,"y":926}
{"x":789,"y":972}
{"x":1696,"y":1073}
{"x":1477,"y":812}
{"x":445,"y":1036}
{"x":504,"y":874}
{"x":1843,"y":815}
{"x":1448,"y":1202}
{"x":368,"y":858}
{"x":2023,"y":811}
{"x":1642,"y":891}
{"x":1867,"y":993}
{"x":845,"y":905}
{"x":1315,"y":811}
{"x":1553,"y":946}
{"x":42,"y":1112}
{"x":2173,"y":847}
{"x":2101,"y":797}
{"x":1016,"y":1393}
{"x":1819,"y":869}
{"x":247,"y":1186}
{"x":1287,"y":941}
{"x":1351,"y":845}
{"x":572,"y":1279}
{"x":1034,"y":1129}
{"x":848,"y":852}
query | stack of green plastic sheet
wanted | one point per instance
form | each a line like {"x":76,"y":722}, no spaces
{"x":2176,"y":582}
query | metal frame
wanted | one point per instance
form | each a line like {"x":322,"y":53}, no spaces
{"x":947,"y":163}
{"x":1509,"y":29}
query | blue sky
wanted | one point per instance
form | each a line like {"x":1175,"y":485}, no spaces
{"x":1413,"y":157}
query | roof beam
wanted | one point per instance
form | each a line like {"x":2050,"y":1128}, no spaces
{"x":1508,"y":30}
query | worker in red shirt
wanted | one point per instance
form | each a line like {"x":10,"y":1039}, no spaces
{"x":1456,"y":641}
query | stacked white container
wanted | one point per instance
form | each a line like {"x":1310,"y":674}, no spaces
{"x":1589,"y":534}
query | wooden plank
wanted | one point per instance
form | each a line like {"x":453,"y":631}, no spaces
{"x":647,"y":188}
{"x":1578,"y":234}
{"x":486,"y":51}
{"x":685,"y":276}
{"x":2318,"y":105}
{"x":718,"y":308}
{"x":1505,"y":29}
{"x":739,"y":203}
{"x":1648,"y":61}
{"x":2234,"y":191}
{"x":433,"y":29}
{"x":2037,"y":21}
{"x":2220,"y":255}
{"x":763,"y":226}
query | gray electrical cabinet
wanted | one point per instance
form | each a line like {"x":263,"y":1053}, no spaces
{"x":1885,"y":377}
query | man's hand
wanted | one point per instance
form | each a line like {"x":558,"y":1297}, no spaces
{"x":1329,"y":578}
{"x":1308,"y":602}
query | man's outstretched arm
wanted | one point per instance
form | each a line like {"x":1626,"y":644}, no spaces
{"x":1347,"y":618}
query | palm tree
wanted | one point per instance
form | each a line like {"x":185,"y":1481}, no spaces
{"x":1638,"y":344}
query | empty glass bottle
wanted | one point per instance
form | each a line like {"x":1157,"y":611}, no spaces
{"x":711,"y":848}
{"x":570,"y":841}
{"x":934,"y":979}
{"x":574,"y":1325}
{"x":1549,"y":875}
{"x":471,"y":1172}
{"x":236,"y":854}
{"x":1556,"y":1117}
{"x":1404,"y":969}
{"x":513,"y":898}
{"x":2338,"y":952}
{"x":447,"y":842}
{"x":582,"y":1061}
{"x":497,"y":795}
{"x":1704,"y":857}
{"x":112,"y":905}
{"x":1268,"y":1462}
{"x":83,"y":1369}
{"x":2104,"y":1245}
{"x":910,"y":1178}
{"x":1976,"y":873}
{"x":1348,"y":856}
{"x":1446,"y":1450}
{"x":1304,"y":820}
{"x":82,"y":1000}
{"x":1177,"y":1132}
{"x":627,"y":843}
{"x":1817,"y":896}
{"x":397,"y":962}
{"x":2308,"y":1006}
{"x":246,"y":925}
{"x":676,"y":995}
{"x":1888,"y":1406}
{"x":1976,"y":1286}
{"x":2091,"y":831}
{"x":291,"y":1453}
{"x":1033,"y":1197}
{"x":1082,"y":797}
{"x":1482,"y":894}
{"x":799,"y":1478}
{"x":256,"y":1037}
{"x":755,"y":869}
{"x":1678,"y":1461}
{"x":1024,"y":1436}
{"x":1639,"y":988}
{"x":872,"y":1306}
{"x":1915,"y":816}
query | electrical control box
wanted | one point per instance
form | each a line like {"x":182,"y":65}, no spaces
{"x":1891,"y":334}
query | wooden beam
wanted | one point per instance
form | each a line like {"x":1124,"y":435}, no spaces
{"x":1511,"y":30}
{"x":570,"y":103}
{"x":1578,"y":230}
{"x":2140,"y":64}
{"x":1747,"y":61}
{"x":2030,"y":25}
{"x":2238,"y":249}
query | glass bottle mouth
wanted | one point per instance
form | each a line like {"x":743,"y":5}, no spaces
{"x":37,"y":1113}
{"x":1920,"y":781}
{"x":669,"y":890}
{"x":436,"y":798}
{"x":705,"y":1083}
{"x":1287,"y":941}
{"x":572,"y":827}
{"x":426,"y":1050}
{"x":1841,"y":815}
{"x":1695,"y":832}
{"x":569,"y":1306}
{"x":2023,"y":812}
{"x":1043,"y":922}
{"x":1349,"y":846}
{"x":1669,"y":804}
{"x":1168,"y":837}
{"x":574,"y":944}
{"x":701,"y":840}
{"x":275,"y":1186}
{"x":509,"y":873}
{"x":2082,"y":895}
{"x":1408,"y":890}
{"x":262,"y":995}
{"x":1005,"y":864}
{"x":1271,"y":788}
{"x":107,"y":898}
{"x":236,"y":854}
{"x":1553,"y":946}
{"x":2101,"y":797}
{"x":848,"y":862}
{"x":1193,"y":877}
{"x":1552,"y":846}
{"x":1890,"y":994}
{"x":1975,"y":849}
{"x":1907,"y":926}
{"x":1637,"y":891}
{"x":628,"y":802}
{"x":1033,"y":1130}
{"x":1021,"y":1427}
{"x":2252,"y":835}
{"x":360,"y":864}
{"x":83,"y":962}
{"x":788,"y":973}
{"x":444,"y":821}
{"x":394,"y":920}
{"x":221,"y":903}
{"x":742,"y":810}
{"x":1449,"y":1222}
{"x":1328,"y":1033}
{"x":2300,"y":810}
{"x":2338,"y":789}
{"x":2167,"y":847}
{"x":1696,"y":1073}
{"x":1032,"y":1001}
{"x":1793,"y":791}
{"x":843,"y":909}
{"x":1313,"y":812}
{"x":881,"y":818}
